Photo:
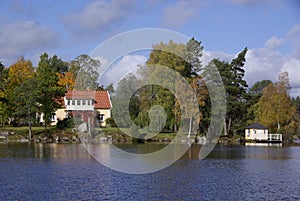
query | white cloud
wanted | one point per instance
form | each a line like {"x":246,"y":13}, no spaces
{"x":177,"y":14}
{"x":127,"y":64}
{"x":268,"y":62}
{"x":23,"y":38}
{"x":293,"y":36}
{"x":98,"y":16}
{"x":210,"y":55}
{"x":274,"y":43}
{"x":262,"y":63}
{"x":292,"y":66}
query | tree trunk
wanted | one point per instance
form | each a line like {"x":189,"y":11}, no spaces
{"x":29,"y":130}
{"x":45,"y":122}
{"x":29,"y":124}
{"x":229,"y":126}
{"x":278,"y":126}
{"x":225,"y":125}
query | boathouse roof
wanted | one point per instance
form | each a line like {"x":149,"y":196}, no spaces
{"x":256,"y":126}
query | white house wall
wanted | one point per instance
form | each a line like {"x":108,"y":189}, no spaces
{"x":72,"y":104}
{"x":256,"y":134}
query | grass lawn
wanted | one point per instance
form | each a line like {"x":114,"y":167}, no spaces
{"x":112,"y":131}
{"x":23,"y":130}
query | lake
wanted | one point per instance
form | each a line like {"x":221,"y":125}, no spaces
{"x":34,"y":171}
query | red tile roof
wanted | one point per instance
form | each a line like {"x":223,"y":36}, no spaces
{"x":102,"y":99}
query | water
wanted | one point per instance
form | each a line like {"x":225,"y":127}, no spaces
{"x":67,"y":172}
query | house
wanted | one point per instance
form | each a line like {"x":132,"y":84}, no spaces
{"x":260,"y":133}
{"x":256,"y":131}
{"x":85,"y":105}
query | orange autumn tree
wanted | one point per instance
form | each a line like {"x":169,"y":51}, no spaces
{"x":18,"y":72}
{"x":67,"y":80}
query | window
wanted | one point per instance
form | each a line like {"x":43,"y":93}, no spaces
{"x":73,"y":102}
{"x":78,"y":102}
{"x":248,"y":133}
{"x":100,"y":117}
{"x":88,"y":102}
{"x":52,"y":117}
{"x":83,"y":102}
{"x":68,"y":102}
{"x":254,"y":131}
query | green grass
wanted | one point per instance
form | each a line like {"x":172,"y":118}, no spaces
{"x":117,"y":131}
{"x":23,"y":130}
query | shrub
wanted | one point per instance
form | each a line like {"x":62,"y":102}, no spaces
{"x":111,"y":122}
{"x":65,"y":123}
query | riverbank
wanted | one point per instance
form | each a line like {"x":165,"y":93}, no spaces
{"x":109,"y":135}
{"x":52,"y":134}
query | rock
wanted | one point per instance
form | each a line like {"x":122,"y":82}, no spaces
{"x":44,"y":139}
{"x":65,"y":139}
{"x":82,"y":127}
{"x":122,"y":140}
{"x":4,"y":133}
{"x":75,"y":138}
{"x":56,"y":138}
{"x":2,"y":138}
{"x":103,"y":139}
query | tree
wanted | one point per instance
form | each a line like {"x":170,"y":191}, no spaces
{"x":26,"y":101}
{"x":184,"y":59}
{"x":253,"y":96}
{"x":3,"y":101}
{"x":66,"y":80}
{"x":258,"y":87}
{"x":48,"y":89}
{"x":110,"y":88}
{"x":124,"y":92}
{"x":233,"y":79}
{"x":275,"y":108}
{"x":17,"y":74}
{"x":85,"y":69}
{"x":194,"y":55}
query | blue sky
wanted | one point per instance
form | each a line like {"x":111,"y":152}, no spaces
{"x":269,"y":28}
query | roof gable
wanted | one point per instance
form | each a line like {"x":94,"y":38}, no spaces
{"x":257,"y":126}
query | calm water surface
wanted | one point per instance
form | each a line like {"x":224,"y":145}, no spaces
{"x":68,"y":172}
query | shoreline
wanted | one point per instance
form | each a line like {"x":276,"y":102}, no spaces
{"x":105,"y":135}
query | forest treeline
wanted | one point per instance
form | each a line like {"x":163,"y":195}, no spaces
{"x":266,"y":102}
{"x":26,"y":90}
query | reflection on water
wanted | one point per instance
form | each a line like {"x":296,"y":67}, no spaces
{"x":33,"y":171}
{"x":263,"y":144}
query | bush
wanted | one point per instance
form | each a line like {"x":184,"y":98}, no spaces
{"x":110,"y":122}
{"x":65,"y":123}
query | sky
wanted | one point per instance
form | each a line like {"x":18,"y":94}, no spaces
{"x":270,"y":29}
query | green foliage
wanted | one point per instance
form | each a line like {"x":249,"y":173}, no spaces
{"x":183,"y":58}
{"x":233,"y":79}
{"x":85,"y":70}
{"x":26,"y":101}
{"x":47,"y":84}
{"x":253,"y":96}
{"x":275,"y":108}
{"x":110,"y":122}
{"x":65,"y":123}
{"x":3,"y":100}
